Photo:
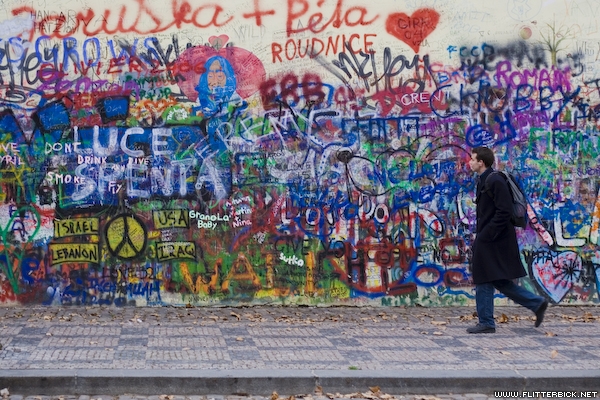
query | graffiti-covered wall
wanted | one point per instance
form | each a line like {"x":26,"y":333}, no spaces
{"x":195,"y":152}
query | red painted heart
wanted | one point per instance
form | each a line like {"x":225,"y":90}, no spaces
{"x":412,"y":29}
{"x":249,"y":70}
{"x":557,"y":272}
{"x":218,"y":41}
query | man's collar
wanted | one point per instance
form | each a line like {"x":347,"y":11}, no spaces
{"x":486,"y":173}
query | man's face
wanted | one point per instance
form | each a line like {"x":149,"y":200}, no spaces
{"x":476,"y":165}
{"x":216,"y":76}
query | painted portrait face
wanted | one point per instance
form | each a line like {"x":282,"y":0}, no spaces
{"x":216,"y":77}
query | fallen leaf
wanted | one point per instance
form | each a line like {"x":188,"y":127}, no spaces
{"x":554,"y":354}
{"x":506,"y":353}
{"x":588,"y":317}
{"x":424,"y":333}
{"x":503,"y":319}
{"x":274,"y":396}
{"x":369,"y":395}
{"x":236,"y":315}
{"x":319,"y":390}
{"x":239,"y":339}
{"x":214,"y":317}
{"x":93,"y":342}
{"x":438,"y":333}
{"x":550,"y":334}
{"x":48,"y":334}
{"x":375,"y":389}
{"x":439,"y":322}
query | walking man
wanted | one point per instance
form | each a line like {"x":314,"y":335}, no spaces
{"x":496,"y":261}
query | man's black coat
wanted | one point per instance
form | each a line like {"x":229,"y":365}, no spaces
{"x":495,"y":250}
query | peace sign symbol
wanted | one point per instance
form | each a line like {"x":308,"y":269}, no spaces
{"x":126,"y":236}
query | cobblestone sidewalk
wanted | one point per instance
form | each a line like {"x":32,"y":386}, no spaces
{"x":169,"y":397}
{"x":295,"y":338}
{"x":356,"y":396}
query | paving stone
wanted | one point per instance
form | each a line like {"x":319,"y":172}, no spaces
{"x":268,"y":337}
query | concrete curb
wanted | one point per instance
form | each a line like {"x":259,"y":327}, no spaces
{"x":290,"y":382}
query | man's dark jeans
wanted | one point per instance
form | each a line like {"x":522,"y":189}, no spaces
{"x":484,"y":297}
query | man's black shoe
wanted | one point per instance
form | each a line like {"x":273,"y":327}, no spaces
{"x":539,"y":314}
{"x":481,"y":329}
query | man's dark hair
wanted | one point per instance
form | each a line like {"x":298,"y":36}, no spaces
{"x":484,"y":154}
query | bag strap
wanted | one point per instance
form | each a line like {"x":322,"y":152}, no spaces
{"x":485,"y":185}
